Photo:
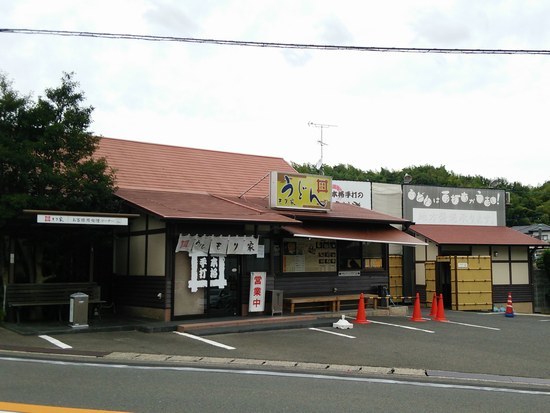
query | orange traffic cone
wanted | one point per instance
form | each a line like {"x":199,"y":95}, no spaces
{"x":417,"y":314}
{"x":433,"y":312}
{"x":441,"y":310}
{"x":509,"y":307}
{"x":361,"y":317}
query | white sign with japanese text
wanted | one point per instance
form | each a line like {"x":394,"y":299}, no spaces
{"x":352,"y":192}
{"x":256,"y":302}
{"x":80,"y":219}
{"x":218,"y":245}
{"x":206,"y":271}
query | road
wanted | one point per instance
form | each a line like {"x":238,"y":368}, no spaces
{"x":125,"y":387}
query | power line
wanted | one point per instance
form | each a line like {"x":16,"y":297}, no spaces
{"x":278,"y":45}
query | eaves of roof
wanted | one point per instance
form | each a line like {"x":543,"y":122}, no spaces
{"x":348,"y":213}
{"x":198,"y":206}
{"x":474,"y":235}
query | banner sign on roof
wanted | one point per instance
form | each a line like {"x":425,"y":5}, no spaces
{"x":352,"y":192}
{"x":454,"y":206}
{"x":299,"y":191}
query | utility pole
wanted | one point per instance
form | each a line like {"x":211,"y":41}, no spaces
{"x":321,"y":142}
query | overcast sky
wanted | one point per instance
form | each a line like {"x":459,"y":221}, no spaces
{"x":475,"y":114}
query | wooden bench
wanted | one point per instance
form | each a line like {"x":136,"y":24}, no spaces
{"x":355,"y":298}
{"x":330,"y":302}
{"x":18,"y":296}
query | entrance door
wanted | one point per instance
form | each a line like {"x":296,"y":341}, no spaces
{"x":443,"y":281}
{"x":226,"y":301}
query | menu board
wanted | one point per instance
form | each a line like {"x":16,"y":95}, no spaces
{"x":302,"y":255}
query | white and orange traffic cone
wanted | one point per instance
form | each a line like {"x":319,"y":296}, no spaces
{"x":441,"y":311}
{"x":509,"y":307}
{"x":361,"y":317}
{"x":433,"y":312}
{"x":417,"y":313}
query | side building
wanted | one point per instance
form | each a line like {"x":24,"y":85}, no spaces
{"x":470,"y":256}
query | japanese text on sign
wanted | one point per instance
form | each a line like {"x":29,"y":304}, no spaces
{"x":256,"y":301}
{"x":81,"y":220}
{"x":206,"y":271}
{"x":298,"y":191}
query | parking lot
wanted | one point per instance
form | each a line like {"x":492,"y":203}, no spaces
{"x":470,"y":342}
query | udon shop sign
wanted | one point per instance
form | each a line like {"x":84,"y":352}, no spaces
{"x":300,"y":191}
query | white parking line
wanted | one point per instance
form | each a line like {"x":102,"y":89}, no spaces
{"x":56,"y":342}
{"x":204,"y":340}
{"x":331,"y":332}
{"x":401,"y":326}
{"x":473,"y":325}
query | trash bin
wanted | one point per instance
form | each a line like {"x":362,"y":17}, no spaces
{"x":383,"y":293}
{"x":78,"y":311}
{"x":274,"y":300}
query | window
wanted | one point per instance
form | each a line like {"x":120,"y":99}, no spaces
{"x":353,"y":255}
{"x":374,"y":256}
{"x":455,"y":250}
{"x":349,"y":256}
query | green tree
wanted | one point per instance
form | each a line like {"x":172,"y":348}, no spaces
{"x":46,"y":163}
{"x":46,"y":153}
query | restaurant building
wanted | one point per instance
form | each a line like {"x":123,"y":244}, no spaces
{"x":216,"y":232}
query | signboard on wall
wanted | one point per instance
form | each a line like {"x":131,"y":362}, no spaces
{"x":304,"y":255}
{"x":81,"y":220}
{"x":352,"y":192}
{"x":299,"y":191}
{"x":454,"y":206}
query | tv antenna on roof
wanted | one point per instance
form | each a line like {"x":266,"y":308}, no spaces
{"x":319,"y":164}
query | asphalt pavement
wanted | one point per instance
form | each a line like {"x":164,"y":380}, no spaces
{"x":471,"y":346}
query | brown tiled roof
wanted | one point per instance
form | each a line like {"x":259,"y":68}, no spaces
{"x":474,"y":235}
{"x":141,"y":165}
{"x":200,"y":206}
{"x":186,"y":183}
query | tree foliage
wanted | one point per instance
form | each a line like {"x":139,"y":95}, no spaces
{"x":46,"y":153}
{"x":529,"y":205}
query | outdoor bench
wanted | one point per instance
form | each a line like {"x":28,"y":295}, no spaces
{"x":355,"y":298}
{"x":17,"y":296}
{"x":329,"y":302}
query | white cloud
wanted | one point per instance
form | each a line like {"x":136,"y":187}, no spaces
{"x":475,"y":114}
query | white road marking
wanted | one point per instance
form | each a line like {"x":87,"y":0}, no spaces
{"x":289,"y":375}
{"x":401,"y":326}
{"x":205,"y":340}
{"x":56,"y":342}
{"x":331,"y":332}
{"x":473,"y":325}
